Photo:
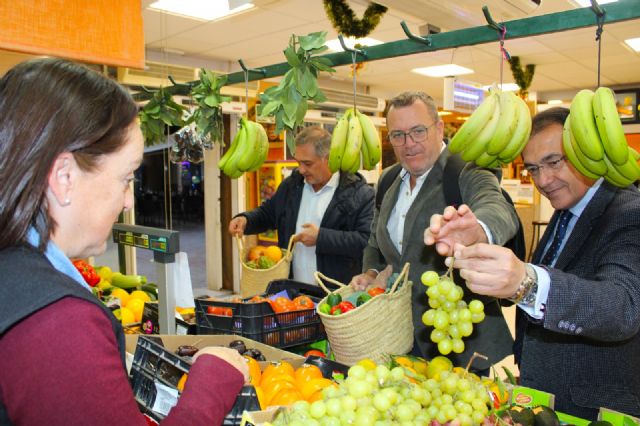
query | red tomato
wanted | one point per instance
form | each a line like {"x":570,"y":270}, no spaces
{"x":375,"y":291}
{"x":220,"y":311}
{"x":303,"y":302}
{"x":315,"y":352}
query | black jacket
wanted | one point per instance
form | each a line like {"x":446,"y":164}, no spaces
{"x":344,"y":230}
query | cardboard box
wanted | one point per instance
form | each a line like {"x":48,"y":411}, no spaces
{"x":260,"y":418}
{"x":171,"y":343}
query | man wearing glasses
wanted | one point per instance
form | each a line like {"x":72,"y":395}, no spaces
{"x":579,"y":301}
{"x":416,"y":134}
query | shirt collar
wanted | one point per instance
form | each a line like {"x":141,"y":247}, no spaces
{"x":582,"y":204}
{"x":333,"y":182}
{"x":57,"y":258}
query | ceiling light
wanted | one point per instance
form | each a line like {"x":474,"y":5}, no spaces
{"x":443,"y":113}
{"x":587,"y":3}
{"x":555,"y":102}
{"x":200,"y":10}
{"x":633,"y":43}
{"x":443,"y":70}
{"x":507,"y":87}
{"x":335,"y":46}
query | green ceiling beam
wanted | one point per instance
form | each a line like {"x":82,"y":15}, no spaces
{"x":622,"y":10}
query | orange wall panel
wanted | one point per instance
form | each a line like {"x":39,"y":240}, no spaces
{"x":100,"y":31}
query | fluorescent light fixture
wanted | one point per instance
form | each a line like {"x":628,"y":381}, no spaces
{"x":555,"y":102}
{"x":335,"y":46}
{"x":443,"y":70}
{"x":507,"y":87}
{"x":443,"y":113}
{"x":198,"y":9}
{"x":465,"y":95}
{"x":587,"y":3}
{"x":633,"y":43}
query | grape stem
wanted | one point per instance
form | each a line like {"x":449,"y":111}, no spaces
{"x":475,"y":355}
{"x":450,"y":270}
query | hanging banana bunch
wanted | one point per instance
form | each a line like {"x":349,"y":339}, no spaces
{"x":496,"y":132}
{"x":594,"y":142}
{"x":354,"y":140}
{"x":248,"y":150}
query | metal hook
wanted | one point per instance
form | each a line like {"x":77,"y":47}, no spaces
{"x":493,"y":24}
{"x":351,"y":50}
{"x":425,"y":40}
{"x":597,"y":9}
{"x":151,"y":92}
{"x":187,"y":84}
{"x":248,"y":70}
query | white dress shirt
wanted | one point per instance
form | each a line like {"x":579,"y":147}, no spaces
{"x":313,"y":205}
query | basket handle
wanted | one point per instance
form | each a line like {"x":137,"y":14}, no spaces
{"x":291,"y":246}
{"x":320,"y":277}
{"x":240,"y":242}
{"x":403,"y":276}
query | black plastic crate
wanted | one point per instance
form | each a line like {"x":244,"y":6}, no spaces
{"x":259,"y":322}
{"x":153,"y":363}
{"x":327,"y":366}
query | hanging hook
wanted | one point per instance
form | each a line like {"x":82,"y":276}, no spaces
{"x":597,"y":9}
{"x":425,"y":40}
{"x":351,"y":50}
{"x":187,"y":84}
{"x":151,"y":92}
{"x":493,"y":24}
{"x":248,"y":70}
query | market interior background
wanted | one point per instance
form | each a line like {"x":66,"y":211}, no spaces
{"x":565,"y":63}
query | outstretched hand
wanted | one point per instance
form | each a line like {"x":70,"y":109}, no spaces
{"x":454,"y":226}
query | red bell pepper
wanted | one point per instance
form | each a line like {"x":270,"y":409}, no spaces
{"x":87,"y":271}
{"x":345,"y":306}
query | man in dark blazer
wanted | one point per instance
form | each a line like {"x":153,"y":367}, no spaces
{"x":329,"y":213}
{"x":578,"y":312}
{"x":416,"y":133}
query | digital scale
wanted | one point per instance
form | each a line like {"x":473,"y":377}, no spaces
{"x":165,"y":244}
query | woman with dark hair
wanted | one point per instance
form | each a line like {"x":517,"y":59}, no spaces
{"x":69,"y":144}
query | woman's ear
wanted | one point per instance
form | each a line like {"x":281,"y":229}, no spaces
{"x":60,"y":178}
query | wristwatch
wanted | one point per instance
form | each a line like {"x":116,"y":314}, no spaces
{"x":528,"y":289}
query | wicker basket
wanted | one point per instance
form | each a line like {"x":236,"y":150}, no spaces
{"x":255,"y":281}
{"x":380,"y":327}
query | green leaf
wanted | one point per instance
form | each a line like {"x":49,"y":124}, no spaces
{"x":319,"y":97}
{"x":212,"y":101}
{"x":510,"y":375}
{"x":323,"y":64}
{"x":313,"y":40}
{"x":291,"y":56}
{"x":301,"y":112}
{"x":319,"y":50}
{"x":291,"y":141}
{"x":166,"y":117}
{"x":308,"y":84}
{"x":269,"y":108}
{"x":290,"y":111}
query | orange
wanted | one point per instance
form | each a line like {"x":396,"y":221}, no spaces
{"x":254,"y":371}
{"x":136,"y":306}
{"x":274,"y":253}
{"x":255,"y":253}
{"x":315,"y":385}
{"x":307,"y":372}
{"x":316,"y":396}
{"x":286,"y":397}
{"x":122,"y":295}
{"x":139,"y":294}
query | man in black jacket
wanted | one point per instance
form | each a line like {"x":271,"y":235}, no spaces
{"x":330,"y":214}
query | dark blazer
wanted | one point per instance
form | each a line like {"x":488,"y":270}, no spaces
{"x":344,"y":229}
{"x":586,"y":349}
{"x":480,"y":190}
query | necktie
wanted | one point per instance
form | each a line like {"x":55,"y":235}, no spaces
{"x":561,"y":230}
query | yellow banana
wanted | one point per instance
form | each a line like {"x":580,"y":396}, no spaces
{"x":478,"y":145}
{"x":609,"y":126}
{"x":263,"y":148}
{"x":474,"y":125}
{"x":351,"y":154}
{"x":507,"y":124}
{"x":339,"y":141}
{"x":598,"y":168}
{"x":583,"y":125}
{"x":570,"y":153}
{"x":615,"y":177}
{"x":371,"y":140}
{"x":252,"y":144}
{"x":520,"y":135}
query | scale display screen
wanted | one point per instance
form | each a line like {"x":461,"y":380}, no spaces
{"x":158,"y":240}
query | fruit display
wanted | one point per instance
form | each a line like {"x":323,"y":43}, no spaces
{"x":594,"y":141}
{"x":262,"y":257}
{"x":87,"y":271}
{"x":248,"y":150}
{"x":496,"y":132}
{"x":450,"y":316}
{"x":242,"y":349}
{"x":353,"y":135}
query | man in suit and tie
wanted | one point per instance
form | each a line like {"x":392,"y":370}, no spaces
{"x":578,"y":312}
{"x":415,"y":132}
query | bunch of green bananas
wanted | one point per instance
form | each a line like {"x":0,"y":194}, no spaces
{"x":496,"y":132}
{"x":354,"y":133}
{"x":248,"y":150}
{"x":594,"y":141}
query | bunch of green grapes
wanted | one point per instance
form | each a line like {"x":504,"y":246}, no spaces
{"x":451,"y":317}
{"x":385,"y":397}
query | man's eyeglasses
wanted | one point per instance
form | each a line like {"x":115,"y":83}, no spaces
{"x":551,"y":164}
{"x":418,"y":134}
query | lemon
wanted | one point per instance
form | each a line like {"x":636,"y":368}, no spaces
{"x":136,"y":306}
{"x":122,"y":295}
{"x":437,"y":365}
{"x":124,"y":315}
{"x":368,"y":364}
{"x":103,"y":284}
{"x":139,"y":294}
{"x":420,"y":366}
